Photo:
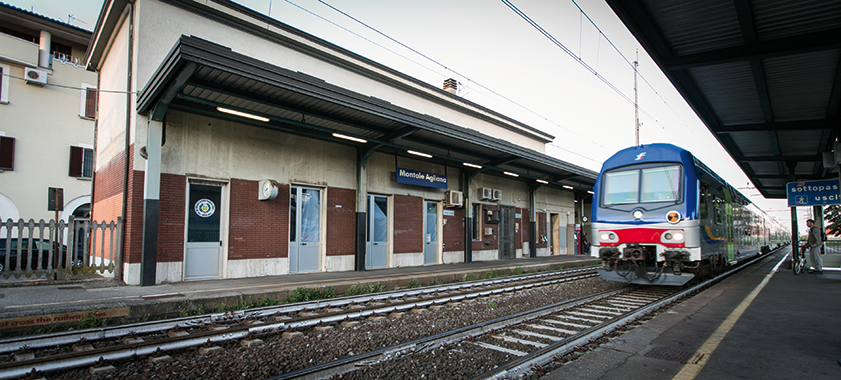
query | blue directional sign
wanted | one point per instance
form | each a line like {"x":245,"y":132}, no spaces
{"x":419,"y":178}
{"x":813,"y":193}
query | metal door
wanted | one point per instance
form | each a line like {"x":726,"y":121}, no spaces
{"x":377,"y":255}
{"x":506,"y":232}
{"x":203,"y":258}
{"x":305,"y":230}
{"x":430,"y":233}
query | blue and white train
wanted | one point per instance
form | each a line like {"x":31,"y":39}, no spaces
{"x":662,"y":217}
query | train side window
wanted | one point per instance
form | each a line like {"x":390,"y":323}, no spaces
{"x":719,"y":211}
{"x":703,"y":205}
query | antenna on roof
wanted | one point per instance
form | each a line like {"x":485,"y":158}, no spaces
{"x":70,"y":19}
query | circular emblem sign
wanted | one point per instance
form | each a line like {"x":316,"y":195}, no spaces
{"x":673,"y":217}
{"x":204,"y":208}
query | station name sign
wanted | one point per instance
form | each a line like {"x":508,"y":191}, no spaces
{"x":419,"y":178}
{"x":813,"y":193}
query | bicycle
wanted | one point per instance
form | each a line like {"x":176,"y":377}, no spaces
{"x":798,"y":260}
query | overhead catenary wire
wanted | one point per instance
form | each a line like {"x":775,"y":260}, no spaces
{"x":459,"y":74}
{"x":74,"y":87}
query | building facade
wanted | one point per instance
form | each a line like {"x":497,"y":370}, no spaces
{"x":237,"y":146}
{"x":47,"y":113}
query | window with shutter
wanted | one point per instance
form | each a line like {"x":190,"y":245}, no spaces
{"x":81,"y":162}
{"x":87,"y":101}
{"x":90,"y":102}
{"x":7,"y":153}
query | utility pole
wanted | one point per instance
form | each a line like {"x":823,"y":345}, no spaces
{"x":636,"y":105}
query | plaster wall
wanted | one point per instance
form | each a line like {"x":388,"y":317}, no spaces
{"x":45,"y":123}
{"x":160,"y":25}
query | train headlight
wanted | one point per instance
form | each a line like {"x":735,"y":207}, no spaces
{"x":672,"y":237}
{"x":638,"y":214}
{"x":608,"y":236}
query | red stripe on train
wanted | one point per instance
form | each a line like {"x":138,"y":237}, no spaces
{"x":641,"y":236}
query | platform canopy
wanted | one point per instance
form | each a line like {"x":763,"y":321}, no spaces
{"x":762,"y":75}
{"x":198,"y":76}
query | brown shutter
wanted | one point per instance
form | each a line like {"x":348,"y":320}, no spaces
{"x":7,"y":153}
{"x":76,"y":154}
{"x":90,"y":102}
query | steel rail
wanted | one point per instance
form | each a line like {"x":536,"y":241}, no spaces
{"x":545,"y":355}
{"x":246,"y":327}
{"x":11,"y":345}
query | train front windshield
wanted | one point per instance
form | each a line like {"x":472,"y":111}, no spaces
{"x":645,"y":185}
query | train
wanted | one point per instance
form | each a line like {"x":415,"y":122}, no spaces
{"x":661,"y":217}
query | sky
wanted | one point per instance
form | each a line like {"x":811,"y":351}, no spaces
{"x":580,"y":92}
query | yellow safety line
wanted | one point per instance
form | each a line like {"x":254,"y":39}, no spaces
{"x":690,"y":370}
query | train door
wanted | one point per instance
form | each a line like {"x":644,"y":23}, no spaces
{"x":304,"y":230}
{"x":377,"y":255}
{"x":506,"y":232}
{"x":430,"y":233}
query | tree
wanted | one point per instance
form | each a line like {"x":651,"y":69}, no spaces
{"x":832,"y":216}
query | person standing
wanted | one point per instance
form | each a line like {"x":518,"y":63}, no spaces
{"x":814,"y":243}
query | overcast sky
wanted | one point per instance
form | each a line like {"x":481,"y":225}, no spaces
{"x":505,"y":64}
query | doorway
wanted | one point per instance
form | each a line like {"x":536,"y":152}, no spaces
{"x":506,"y":232}
{"x":377,"y":255}
{"x":430,"y":233}
{"x":203,"y":256}
{"x":304,"y":230}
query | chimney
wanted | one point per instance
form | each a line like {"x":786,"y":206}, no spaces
{"x":451,"y":86}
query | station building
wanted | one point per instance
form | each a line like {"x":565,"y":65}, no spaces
{"x":237,"y":146}
{"x":47,"y":105}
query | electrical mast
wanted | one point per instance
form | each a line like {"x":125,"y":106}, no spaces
{"x":636,"y":105}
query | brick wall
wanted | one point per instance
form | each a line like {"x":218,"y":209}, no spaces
{"x":258,"y":229}
{"x":171,"y":216}
{"x":454,"y":231}
{"x":341,"y":221}
{"x":108,"y":190}
{"x":408,"y":226}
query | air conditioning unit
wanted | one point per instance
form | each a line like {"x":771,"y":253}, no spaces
{"x":486,"y":193}
{"x":497,"y":195}
{"x":454,"y":199}
{"x":36,"y":77}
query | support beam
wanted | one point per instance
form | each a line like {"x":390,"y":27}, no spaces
{"x":151,"y":201}
{"x":361,"y":208}
{"x":468,"y":215}
{"x":533,"y":220}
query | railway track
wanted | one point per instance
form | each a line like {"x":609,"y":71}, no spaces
{"x":64,"y":351}
{"x":523,"y":343}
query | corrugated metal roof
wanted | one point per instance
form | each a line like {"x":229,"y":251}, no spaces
{"x":199,"y":76}
{"x":763,"y":75}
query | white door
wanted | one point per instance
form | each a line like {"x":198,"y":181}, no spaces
{"x":377,"y":255}
{"x":203,"y":258}
{"x":430,"y":233}
{"x":305,"y":230}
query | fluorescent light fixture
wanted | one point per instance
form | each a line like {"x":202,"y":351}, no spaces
{"x":419,"y":154}
{"x":341,"y":136}
{"x":512,"y":174}
{"x":243,"y":114}
{"x":542,"y":181}
{"x":568,"y":187}
{"x":469,"y":165}
{"x":590,"y":191}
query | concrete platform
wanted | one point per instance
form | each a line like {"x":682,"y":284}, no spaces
{"x":35,"y":304}
{"x":787,"y":329}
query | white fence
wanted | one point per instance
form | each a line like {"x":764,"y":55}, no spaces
{"x":55,"y":250}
